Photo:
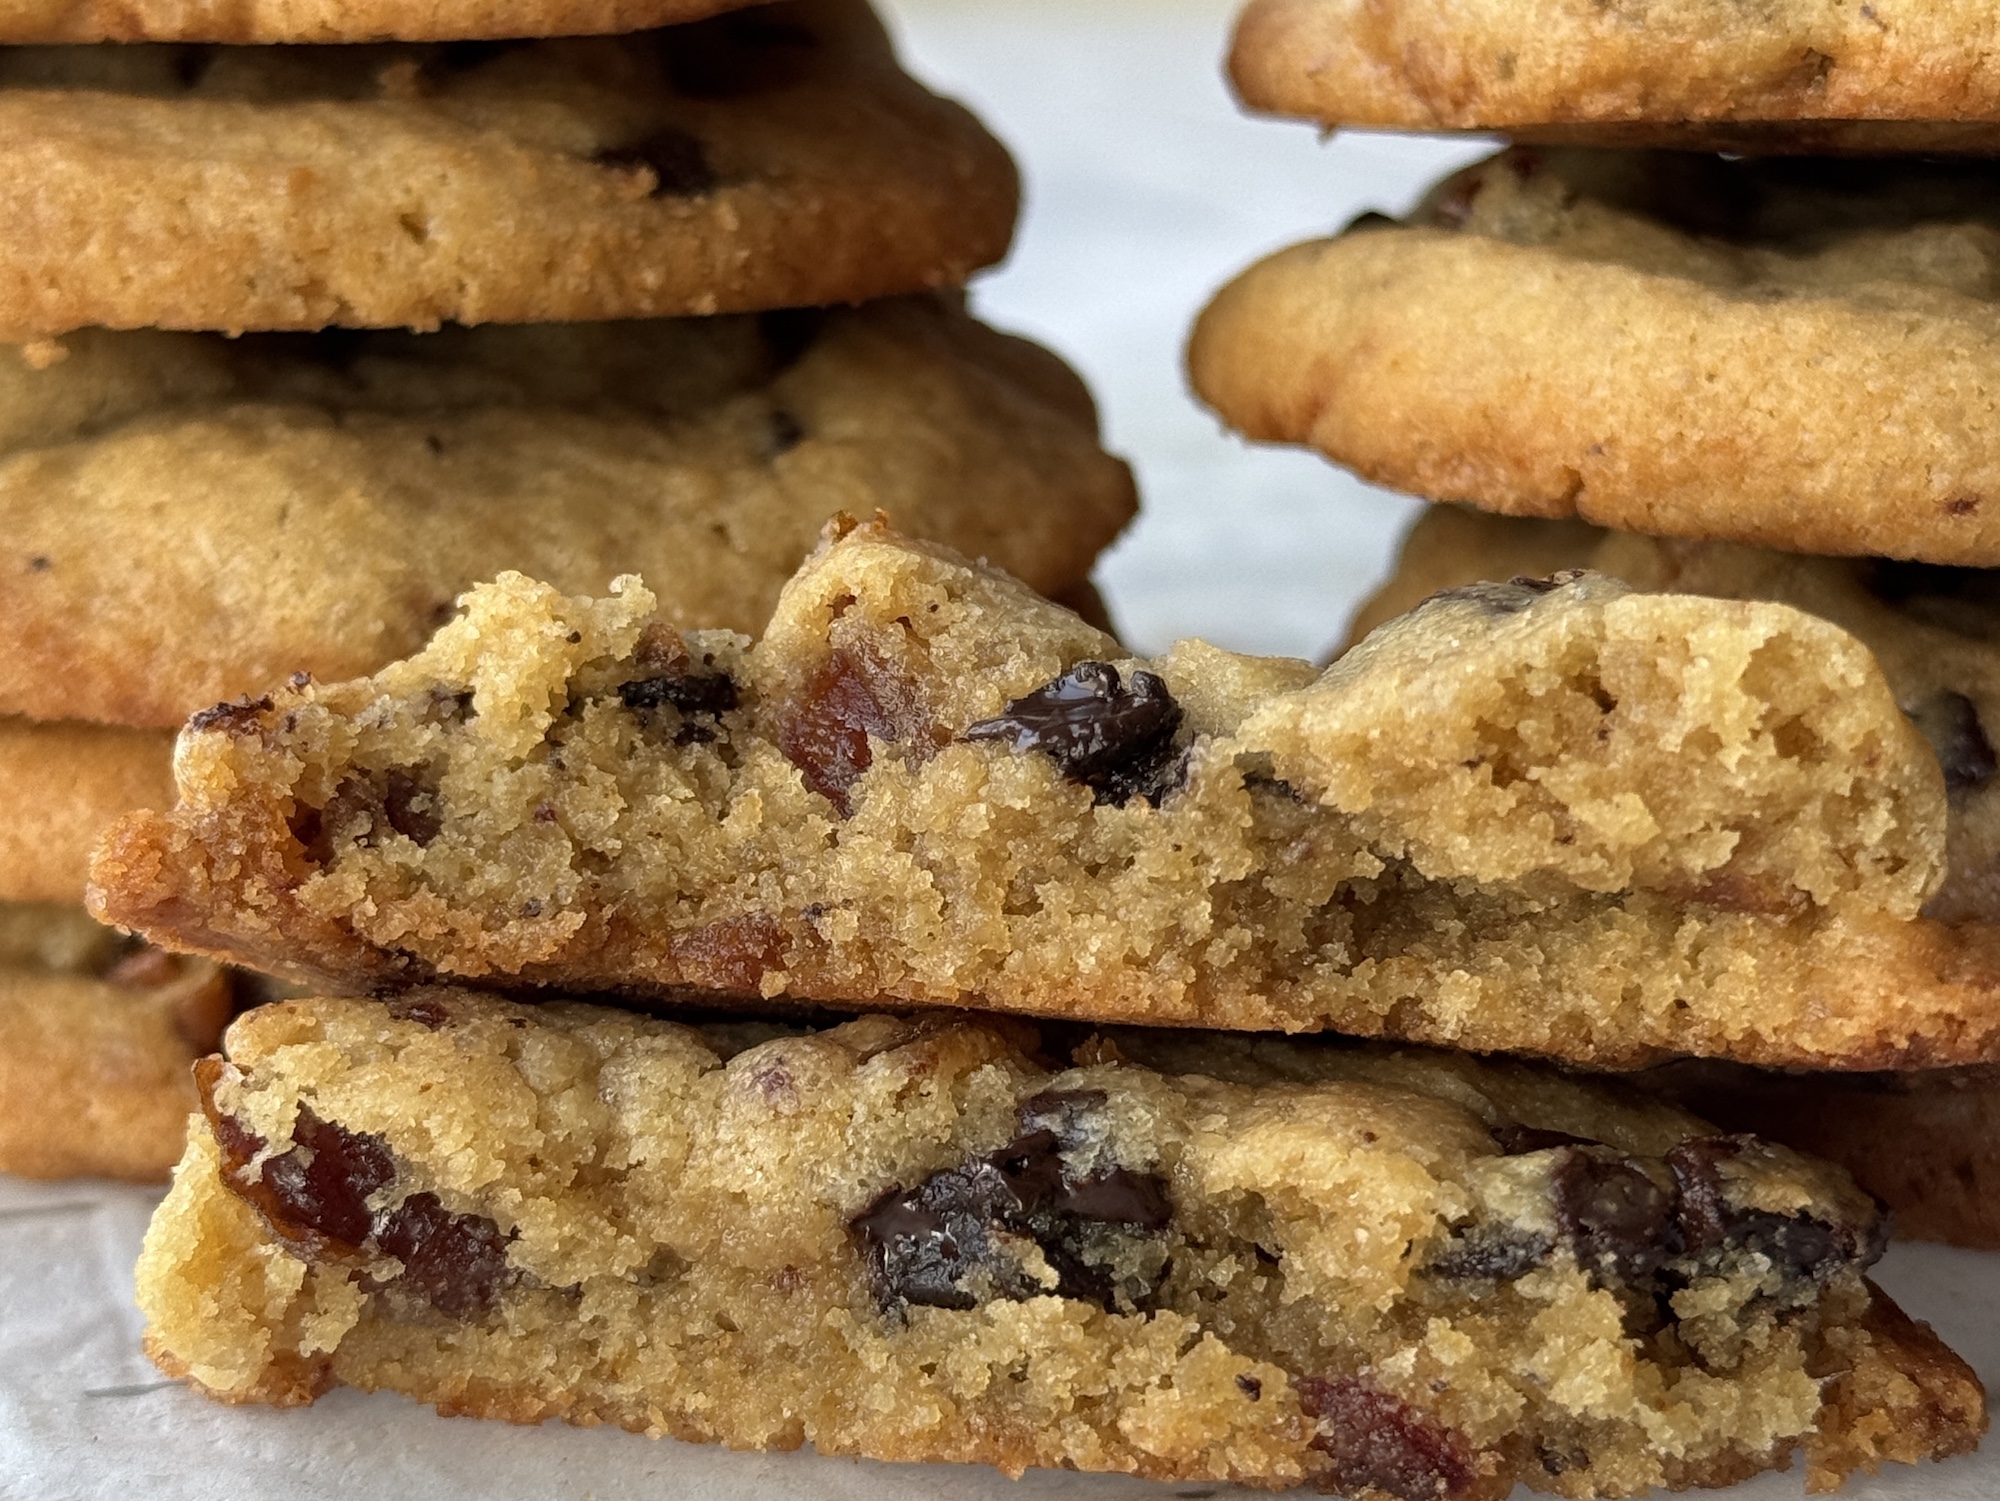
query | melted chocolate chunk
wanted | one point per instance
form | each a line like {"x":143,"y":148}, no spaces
{"x":1114,"y":738}
{"x":942,"y":1243}
{"x":694,"y":694}
{"x":1618,"y":1221}
{"x":239,"y":716}
{"x":323,"y":1183}
{"x":1801,"y":1247}
{"x":1376,"y":1442}
{"x":737,"y":55}
{"x":1950,"y":722}
{"x":1490,"y":1255}
{"x":456,"y":1261}
{"x":678,"y":161}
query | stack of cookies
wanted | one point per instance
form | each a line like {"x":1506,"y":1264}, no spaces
{"x":320,"y":313}
{"x":873,"y":1033}
{"x":1766,"y":376}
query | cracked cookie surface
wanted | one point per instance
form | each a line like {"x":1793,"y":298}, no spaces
{"x":189,"y":518}
{"x":775,"y":157}
{"x":1797,"y":354}
{"x":1390,"y":1274}
{"x":1889,"y":75}
{"x":1566,"y":819}
{"x":97,"y":1037}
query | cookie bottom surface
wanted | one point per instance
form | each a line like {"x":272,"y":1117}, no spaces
{"x":927,"y":1240}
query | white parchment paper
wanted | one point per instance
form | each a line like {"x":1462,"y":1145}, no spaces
{"x":1146,"y":190}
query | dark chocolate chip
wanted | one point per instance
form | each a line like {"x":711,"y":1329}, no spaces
{"x":1801,"y":1247}
{"x":1950,"y":722}
{"x":1251,"y":1387}
{"x":1377,"y":1442}
{"x":694,"y":695}
{"x":941,"y":1243}
{"x":239,"y":716}
{"x":1490,"y":1255}
{"x":1617,"y":1220}
{"x":456,"y":1261}
{"x":410,"y":804}
{"x":678,"y":161}
{"x":1114,"y":738}
{"x":322,"y":1184}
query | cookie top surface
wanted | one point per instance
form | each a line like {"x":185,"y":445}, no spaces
{"x":1934,"y":630}
{"x":549,"y":1209}
{"x":926,"y":783}
{"x":263,"y":22}
{"x":1676,"y":69}
{"x":1803,"y":354}
{"x":61,"y":785}
{"x":189,"y":518}
{"x":774,"y":157}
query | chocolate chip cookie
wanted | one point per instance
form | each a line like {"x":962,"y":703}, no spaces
{"x":1797,"y":354}
{"x":267,"y":21}
{"x":61,"y":785}
{"x":184,"y":517}
{"x":1934,"y":630}
{"x":774,"y":157}
{"x":97,"y":1037}
{"x":1385,"y":1274}
{"x":926,"y":784}
{"x":1896,"y":75}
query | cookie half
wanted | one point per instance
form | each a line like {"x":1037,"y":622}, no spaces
{"x":185,"y":518}
{"x":263,"y":22}
{"x":62,"y":785}
{"x":1935,"y":631}
{"x":98,"y":1037}
{"x":926,"y":784}
{"x":1382,"y":1274}
{"x":775,"y":157}
{"x":1803,"y":355}
{"x":1890,"y":75}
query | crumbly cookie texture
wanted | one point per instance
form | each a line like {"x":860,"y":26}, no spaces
{"x":154,"y":485}
{"x":1561,"y":818}
{"x":1391,"y":1274}
{"x":1678,"y":66}
{"x":773,"y":157}
{"x":1926,"y":1143}
{"x":98,"y":1035}
{"x":62,"y":785}
{"x":1933,"y":629}
{"x":263,"y":22}
{"x":1796,"y":354}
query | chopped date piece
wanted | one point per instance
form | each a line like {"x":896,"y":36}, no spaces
{"x":322,"y":1184}
{"x":944,"y":1243}
{"x":1377,"y":1442}
{"x":1117,"y":739}
{"x":457,"y":1261}
{"x":852,"y":698}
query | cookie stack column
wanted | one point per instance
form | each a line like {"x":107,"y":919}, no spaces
{"x":320,"y":314}
{"x":1773,"y":375}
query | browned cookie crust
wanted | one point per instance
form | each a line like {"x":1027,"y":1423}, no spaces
{"x":1886,"y":71}
{"x":774,"y":157}
{"x":1395,"y":1275}
{"x":1566,"y":819}
{"x":1797,"y":354}
{"x":97,"y":1038}
{"x":184,"y":518}
{"x":1927,"y":1144}
{"x":61,"y":785}
{"x":1935,"y":631}
{"x":267,"y":21}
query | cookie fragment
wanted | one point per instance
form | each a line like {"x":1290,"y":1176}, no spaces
{"x":1451,"y":835}
{"x":924,"y":1239}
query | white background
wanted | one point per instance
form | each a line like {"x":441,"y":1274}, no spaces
{"x":1145,"y":191}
